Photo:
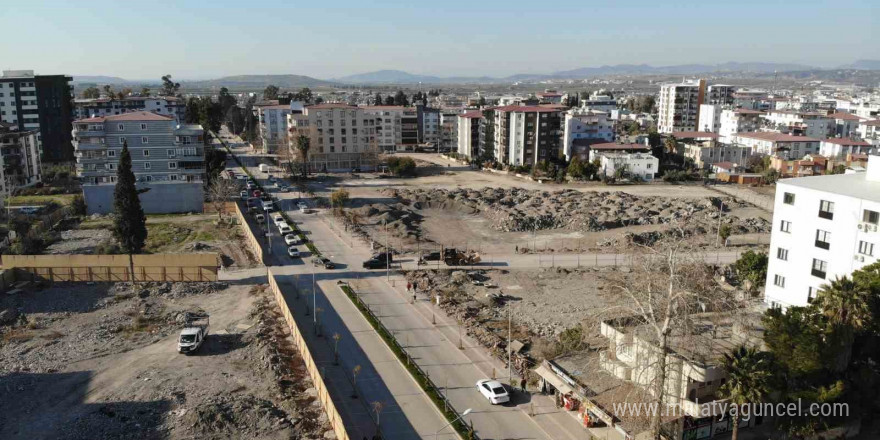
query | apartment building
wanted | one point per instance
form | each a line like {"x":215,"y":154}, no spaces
{"x":636,"y":166}
{"x":168,"y":161}
{"x":845,"y":124}
{"x":602,"y":103}
{"x":710,"y":117}
{"x":721,"y":94}
{"x":469,"y":133}
{"x":739,"y":120}
{"x":823,"y":227}
{"x":809,"y":165}
{"x":751,"y":99}
{"x":429,"y":125}
{"x":680,"y":105}
{"x":273,"y":126}
{"x":529,"y":134}
{"x":19,"y":159}
{"x":870,"y":131}
{"x":449,"y":129}
{"x":769,"y":143}
{"x":40,"y":103}
{"x":160,"y":105}
{"x":704,"y":155}
{"x":584,"y":127}
{"x":398,"y":127}
{"x":343,"y":137}
{"x":840,"y":147}
{"x":811,"y":124}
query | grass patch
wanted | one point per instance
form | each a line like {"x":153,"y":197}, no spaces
{"x":61,"y":199}
{"x":175,"y":236}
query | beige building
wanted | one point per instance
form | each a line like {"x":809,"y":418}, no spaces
{"x":342,"y":137}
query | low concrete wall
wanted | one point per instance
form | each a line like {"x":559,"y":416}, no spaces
{"x":323,"y":394}
{"x":162,"y":198}
{"x":249,"y":237}
{"x":112,"y":268}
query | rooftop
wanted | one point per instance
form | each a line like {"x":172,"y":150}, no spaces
{"x":132,"y":116}
{"x":845,"y":116}
{"x":845,"y":141}
{"x":530,"y":108}
{"x":329,"y":105}
{"x":854,"y":185}
{"x":775,"y":137}
{"x":473,"y":114}
{"x":616,"y":146}
{"x":748,"y":111}
{"x":694,"y":134}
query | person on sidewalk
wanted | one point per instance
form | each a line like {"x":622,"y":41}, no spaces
{"x":522,"y":384}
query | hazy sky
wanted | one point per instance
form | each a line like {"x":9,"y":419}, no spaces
{"x":327,"y":39}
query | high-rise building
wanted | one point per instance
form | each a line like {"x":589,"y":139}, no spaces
{"x":680,"y":106}
{"x":449,"y":129}
{"x":469,"y":133}
{"x":168,"y":161}
{"x":528,"y":134}
{"x":40,"y":103}
{"x":823,"y":227}
{"x":19,"y":158}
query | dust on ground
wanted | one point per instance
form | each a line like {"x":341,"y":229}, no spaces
{"x":85,"y":361}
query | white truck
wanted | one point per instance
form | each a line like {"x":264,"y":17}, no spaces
{"x":194,"y":332}
{"x":264,"y":168}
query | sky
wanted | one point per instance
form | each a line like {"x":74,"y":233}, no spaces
{"x":199,"y":39}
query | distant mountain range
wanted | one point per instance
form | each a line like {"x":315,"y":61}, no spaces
{"x":379,"y":77}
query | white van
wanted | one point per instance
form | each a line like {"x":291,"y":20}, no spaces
{"x":264,"y":168}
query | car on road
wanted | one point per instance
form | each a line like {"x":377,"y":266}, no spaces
{"x":278,"y":219}
{"x":302,"y":205}
{"x":291,"y":239}
{"x":323,"y":261}
{"x":379,"y":261}
{"x":244,"y":195}
{"x":257,"y":193}
{"x":285,"y":229}
{"x":260,"y":218}
{"x":284,"y":188}
{"x":493,"y":390}
{"x":293,"y":252}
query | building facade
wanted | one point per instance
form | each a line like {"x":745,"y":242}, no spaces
{"x":168,"y":161}
{"x":811,"y":124}
{"x":840,"y":147}
{"x":785,"y":145}
{"x":40,"y":103}
{"x":640,"y":166}
{"x":19,"y":159}
{"x":429,"y":125}
{"x":343,"y":137}
{"x":398,"y":127}
{"x":273,"y":126}
{"x":469,"y":134}
{"x":534,"y":134}
{"x":584,"y":127}
{"x":160,"y":105}
{"x":739,"y":120}
{"x":823,"y":227}
{"x":705,"y":155}
{"x":679,"y":106}
{"x":449,"y":129}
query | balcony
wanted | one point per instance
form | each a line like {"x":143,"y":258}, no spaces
{"x":80,"y":146}
{"x":818,"y":273}
{"x":823,"y":244}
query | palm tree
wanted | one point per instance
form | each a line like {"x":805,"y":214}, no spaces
{"x":847,"y":307}
{"x":303,"y":144}
{"x":748,"y":379}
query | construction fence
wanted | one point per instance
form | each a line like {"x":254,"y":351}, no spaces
{"x":113,"y":268}
{"x":323,"y":394}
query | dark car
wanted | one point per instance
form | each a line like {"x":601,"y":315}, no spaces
{"x":327,"y":263}
{"x":374,"y":264}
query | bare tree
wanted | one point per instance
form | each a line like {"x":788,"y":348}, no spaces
{"x":220,"y":191}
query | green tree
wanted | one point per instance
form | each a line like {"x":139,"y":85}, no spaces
{"x":634,"y":129}
{"x":338,"y":199}
{"x":748,"y":381}
{"x":305,"y":95}
{"x":576,"y":167}
{"x":378,"y":99}
{"x":400,"y":98}
{"x":145,"y":91}
{"x":846,"y":306}
{"x":91,"y":93}
{"x":303,"y":145}
{"x":108,"y":90}
{"x":270,"y":92}
{"x":389,"y":100}
{"x":129,"y":221}
{"x":671,"y":145}
{"x":226,"y":100}
{"x":838,"y":169}
{"x":169,"y":87}
{"x":724,"y":232}
{"x":752,"y":267}
{"x":402,"y":166}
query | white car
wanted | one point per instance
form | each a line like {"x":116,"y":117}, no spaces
{"x":493,"y":390}
{"x":302,"y":208}
{"x":293,"y":252}
{"x":291,"y":239}
{"x":278,"y":219}
{"x":284,"y":230}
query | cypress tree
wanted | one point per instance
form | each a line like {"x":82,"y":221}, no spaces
{"x":129,"y":221}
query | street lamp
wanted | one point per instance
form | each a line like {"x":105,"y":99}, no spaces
{"x":466,"y":412}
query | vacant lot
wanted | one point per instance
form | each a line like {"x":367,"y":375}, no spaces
{"x":99,"y":361}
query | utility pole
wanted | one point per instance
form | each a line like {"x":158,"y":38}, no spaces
{"x":387,"y":252}
{"x":718,"y":232}
{"x":509,"y":348}
{"x":314,"y":301}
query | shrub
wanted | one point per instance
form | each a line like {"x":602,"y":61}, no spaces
{"x":402,"y":166}
{"x":78,"y":205}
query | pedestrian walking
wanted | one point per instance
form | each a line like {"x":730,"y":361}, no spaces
{"x":522,"y":384}
{"x":408,"y":286}
{"x":517,"y":249}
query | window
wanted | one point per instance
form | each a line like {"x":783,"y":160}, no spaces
{"x":145,"y":140}
{"x":149,"y":178}
{"x":826,"y":209}
{"x":111,"y":166}
{"x":782,"y":254}
{"x":111,"y":153}
{"x":866,"y":248}
{"x":171,"y":153}
{"x":144,"y":127}
{"x":148,"y":166}
{"x":872,"y":217}
{"x":823,"y":239}
{"x":120,"y":127}
{"x":779,"y":281}
{"x":785,"y":226}
{"x":146,"y":153}
{"x":788,"y":198}
{"x":811,"y":293}
{"x":173,"y":176}
{"x":820,"y":268}
{"x":172,"y":165}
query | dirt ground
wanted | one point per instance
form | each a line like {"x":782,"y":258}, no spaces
{"x":89,"y":361}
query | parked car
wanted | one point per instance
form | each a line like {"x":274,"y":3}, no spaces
{"x":302,"y":209}
{"x":284,"y":188}
{"x":493,"y":390}
{"x":257,"y":193}
{"x":379,"y":261}
{"x":293,"y":252}
{"x":244,"y":195}
{"x":291,"y":239}
{"x":284,"y":229}
{"x":278,"y":219}
{"x":260,"y":218}
{"x":323,"y":261}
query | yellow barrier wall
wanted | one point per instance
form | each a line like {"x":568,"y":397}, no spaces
{"x":252,"y":241}
{"x":97,"y":268}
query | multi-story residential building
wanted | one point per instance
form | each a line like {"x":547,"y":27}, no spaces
{"x":168,"y":161}
{"x":41,"y":103}
{"x":273,"y":125}
{"x":342,"y":136}
{"x":602,"y":103}
{"x":680,"y":105}
{"x":867,"y":109}
{"x":641,"y":166}
{"x":710,"y":117}
{"x":812,"y":124}
{"x":705,"y":155}
{"x":429,"y":125}
{"x":449,"y":129}
{"x":549,"y":97}
{"x":769,"y":143}
{"x":809,"y":165}
{"x":845,"y":124}
{"x":160,"y":105}
{"x":840,"y":147}
{"x":398,"y":128}
{"x":469,"y":133}
{"x":616,"y":148}
{"x":870,"y":131}
{"x":19,"y":159}
{"x":529,"y":134}
{"x":722,"y":94}
{"x":751,"y":99}
{"x":583,"y":127}
{"x":823,"y":227}
{"x":739,"y":120}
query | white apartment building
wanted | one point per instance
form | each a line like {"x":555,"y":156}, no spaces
{"x":710,"y":117}
{"x":867,"y":109}
{"x":469,"y":134}
{"x":642,"y":166}
{"x":160,"y":105}
{"x":781,"y":144}
{"x":602,"y":103}
{"x":811,"y":124}
{"x":739,"y":120}
{"x":534,"y":133}
{"x":397,"y":128}
{"x":168,"y":161}
{"x":870,"y":131}
{"x":583,"y":127}
{"x":273,"y":125}
{"x":750,"y":99}
{"x":429,"y":126}
{"x":680,"y":106}
{"x":343,"y":137}
{"x":823,"y":227}
{"x":840,"y":147}
{"x":449,"y":129}
{"x":704,"y":155}
{"x":19,"y":159}
{"x":845,"y":124}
